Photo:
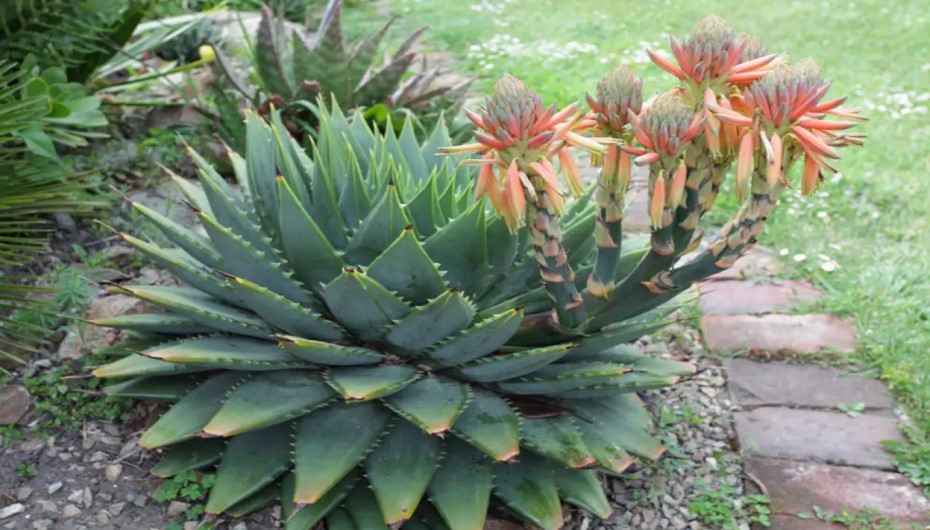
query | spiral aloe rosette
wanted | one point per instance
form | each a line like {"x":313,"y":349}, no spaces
{"x":352,"y":342}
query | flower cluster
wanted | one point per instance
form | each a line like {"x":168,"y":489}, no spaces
{"x":784,"y":114}
{"x":519,"y":138}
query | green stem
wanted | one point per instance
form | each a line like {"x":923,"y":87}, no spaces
{"x":554,"y":269}
{"x":608,"y":228}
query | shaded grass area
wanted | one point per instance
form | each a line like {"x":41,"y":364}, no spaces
{"x":865,"y":237}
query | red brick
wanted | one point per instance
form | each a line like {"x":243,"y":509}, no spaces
{"x":739,"y":298}
{"x":776,"y":334}
{"x":755,"y":384}
{"x":757,"y":263}
{"x":813,"y":435}
{"x":789,"y":522}
{"x":795,"y":487}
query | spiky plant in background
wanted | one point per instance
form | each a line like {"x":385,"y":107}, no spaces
{"x":293,"y":69}
{"x":363,"y":339}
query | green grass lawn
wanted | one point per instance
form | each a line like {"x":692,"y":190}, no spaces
{"x":865,"y":238}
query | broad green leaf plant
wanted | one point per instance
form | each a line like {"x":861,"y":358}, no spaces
{"x":375,"y":334}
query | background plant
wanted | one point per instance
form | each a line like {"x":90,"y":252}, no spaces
{"x":37,"y":110}
{"x":292,"y":69}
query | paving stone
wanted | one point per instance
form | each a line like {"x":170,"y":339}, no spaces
{"x":776,"y":334}
{"x":832,"y":437}
{"x":742,"y":297}
{"x":14,"y":402}
{"x":795,"y":487}
{"x":759,"y":262}
{"x":788,"y":522}
{"x":754,"y":384}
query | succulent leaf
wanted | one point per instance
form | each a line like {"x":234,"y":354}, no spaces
{"x":400,"y":469}
{"x":251,"y":462}
{"x":190,"y":455}
{"x":461,"y":487}
{"x":268,"y":399}
{"x":330,"y":442}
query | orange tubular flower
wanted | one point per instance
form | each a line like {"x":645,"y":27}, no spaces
{"x":783,"y":110}
{"x":663,"y":129}
{"x":714,"y":55}
{"x":517,"y":137}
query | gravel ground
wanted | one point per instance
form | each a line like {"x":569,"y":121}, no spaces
{"x":696,"y":422}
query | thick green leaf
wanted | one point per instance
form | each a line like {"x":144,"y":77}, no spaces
{"x":363,"y":510}
{"x":328,"y":353}
{"x":400,"y":469}
{"x":618,"y":420}
{"x":364,"y":54}
{"x":190,"y":455}
{"x":461,"y":487}
{"x":502,"y":249}
{"x":406,"y":269}
{"x":284,"y":314}
{"x":325,"y":206}
{"x":244,"y":260}
{"x":556,"y":438}
{"x":330,"y":442}
{"x":339,"y":519}
{"x":165,"y":389}
{"x":163,"y":323}
{"x":461,"y":250}
{"x":269,"y":53}
{"x":354,"y":201}
{"x":232,"y":353}
{"x":252,"y":461}
{"x":489,"y":424}
{"x":267,"y":496}
{"x":200,"y":308}
{"x":260,"y":155}
{"x":637,"y":361}
{"x":432,"y":403}
{"x":476,"y":341}
{"x":583,"y":489}
{"x":363,"y":305}
{"x":528,"y":488}
{"x":187,"y":417}
{"x":269,"y":398}
{"x":631,"y":382}
{"x":364,"y":383}
{"x":619,"y":334}
{"x":500,"y":367}
{"x":312,"y":256}
{"x":559,"y":378}
{"x":228,"y":209}
{"x":382,"y":83}
{"x":443,"y":316}
{"x":183,"y":267}
{"x":194,"y":244}
{"x":424,"y":209}
{"x":304,"y":517}
{"x":381,"y":227}
{"x":410,"y":147}
{"x":136,"y":365}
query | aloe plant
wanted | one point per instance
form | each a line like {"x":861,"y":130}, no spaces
{"x":376,"y":336}
{"x":293,"y":68}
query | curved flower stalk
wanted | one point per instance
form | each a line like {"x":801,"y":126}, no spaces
{"x":519,"y":138}
{"x":619,"y":97}
{"x":781,"y":119}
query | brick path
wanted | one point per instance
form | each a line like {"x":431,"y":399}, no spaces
{"x":796,"y":443}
